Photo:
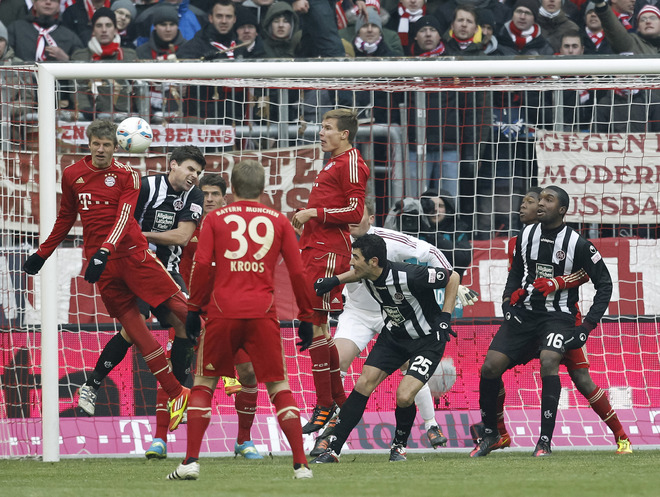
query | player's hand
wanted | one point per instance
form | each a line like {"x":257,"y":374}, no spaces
{"x":443,"y":333}
{"x":518,"y":296}
{"x":33,"y":264}
{"x":96,"y":266}
{"x":324,"y":285}
{"x":306,"y":335}
{"x":467,"y":296}
{"x":548,"y":285}
{"x":579,"y":335}
{"x":511,"y":313}
{"x":193,"y":326}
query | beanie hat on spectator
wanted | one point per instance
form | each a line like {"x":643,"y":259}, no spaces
{"x":486,"y":17}
{"x":104,"y":12}
{"x":590,"y":6}
{"x":648,"y":9}
{"x":532,"y":5}
{"x":125,"y":4}
{"x":3,"y":32}
{"x":372,"y":18}
{"x":245,"y":16}
{"x":423,"y":22}
{"x":166,"y":13}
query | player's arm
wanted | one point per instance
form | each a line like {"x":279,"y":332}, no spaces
{"x":548,"y":285}
{"x":354,"y":185}
{"x":291,"y":255}
{"x":594,"y":265}
{"x":438,"y":277}
{"x":180,"y":235}
{"x":125,"y":210}
{"x":324,"y":285}
{"x":202,"y":274}
{"x":516,"y":272}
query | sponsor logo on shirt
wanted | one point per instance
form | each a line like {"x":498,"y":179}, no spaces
{"x":547,"y":240}
{"x":394,"y":314}
{"x":329,"y":165}
{"x":545,"y":271}
{"x":163,"y":221}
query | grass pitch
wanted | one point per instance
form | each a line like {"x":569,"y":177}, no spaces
{"x":452,"y":474}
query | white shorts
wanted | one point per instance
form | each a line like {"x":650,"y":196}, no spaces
{"x":358,"y":326}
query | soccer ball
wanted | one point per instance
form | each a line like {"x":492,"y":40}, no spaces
{"x":134,"y":135}
{"x":443,"y":378}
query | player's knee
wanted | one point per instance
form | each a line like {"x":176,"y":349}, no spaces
{"x":404,"y":399}
{"x":549,"y":363}
{"x":492,"y":368}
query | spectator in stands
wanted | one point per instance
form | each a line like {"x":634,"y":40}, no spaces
{"x":578,"y":105}
{"x":258,"y":8}
{"x":554,"y":22}
{"x":78,"y":17}
{"x":445,"y":230}
{"x":407,"y":13}
{"x":40,"y":36}
{"x":594,"y":36}
{"x":189,"y":19}
{"x":627,"y":110}
{"x":246,"y":28}
{"x":6,"y":52}
{"x":487,"y":23}
{"x":108,"y":98}
{"x":390,"y":37}
{"x":464,"y":36}
{"x":280,"y":31}
{"x":216,"y":41}
{"x":426,"y":38}
{"x":647,"y":39}
{"x":368,"y":40}
{"x":624,"y":11}
{"x":165,"y":39}
{"x":499,"y":11}
{"x":522,"y":35}
{"x":12,"y":10}
{"x":320,"y":34}
{"x":126,"y":13}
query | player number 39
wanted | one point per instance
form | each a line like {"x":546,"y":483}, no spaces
{"x":252,"y":229}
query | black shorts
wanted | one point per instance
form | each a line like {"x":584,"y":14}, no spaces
{"x":161,"y":312}
{"x":521,"y":342}
{"x":389,"y":354}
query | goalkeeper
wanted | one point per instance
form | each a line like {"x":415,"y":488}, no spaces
{"x":361,"y":320}
{"x":575,"y":360}
{"x":546,"y":249}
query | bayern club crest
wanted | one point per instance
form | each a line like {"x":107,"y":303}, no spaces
{"x":560,"y":255}
{"x":110,"y":180}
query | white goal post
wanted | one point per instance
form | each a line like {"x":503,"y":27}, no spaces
{"x":215,"y":73}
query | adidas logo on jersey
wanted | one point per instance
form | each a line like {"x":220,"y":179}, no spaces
{"x":210,"y":367}
{"x":80,"y":180}
{"x":336,"y":301}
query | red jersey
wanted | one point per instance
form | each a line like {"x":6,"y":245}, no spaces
{"x":105,"y":200}
{"x":187,"y":255}
{"x":245,"y":240}
{"x":338,"y":196}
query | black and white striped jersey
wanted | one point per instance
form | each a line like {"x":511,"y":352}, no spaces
{"x":548,"y":253}
{"x":406,"y":297}
{"x":161,"y":208}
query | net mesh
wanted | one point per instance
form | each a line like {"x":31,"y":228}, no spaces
{"x":483,"y":141}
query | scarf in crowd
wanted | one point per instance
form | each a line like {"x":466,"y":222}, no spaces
{"x":624,"y":18}
{"x":222,"y":48}
{"x":90,"y":9}
{"x":366,"y":47}
{"x":405,"y":18}
{"x":522,"y":38}
{"x":626,"y":93}
{"x":596,"y":38}
{"x":44,"y":36}
{"x":100,"y":52}
{"x":439,"y":50}
{"x":463,"y":44}
{"x":549,"y":15}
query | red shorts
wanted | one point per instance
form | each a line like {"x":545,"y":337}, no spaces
{"x":575,"y":359}
{"x":260,"y":339}
{"x":319,"y":264}
{"x":139,"y":275}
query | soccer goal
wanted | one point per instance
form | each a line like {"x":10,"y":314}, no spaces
{"x":479,"y":131}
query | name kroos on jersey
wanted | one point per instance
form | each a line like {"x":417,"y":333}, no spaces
{"x":247,"y":266}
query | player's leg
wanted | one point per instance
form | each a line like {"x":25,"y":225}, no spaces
{"x":246,"y":407}
{"x":347,"y":351}
{"x":199,"y":417}
{"x":111,"y":355}
{"x":598,"y":401}
{"x":550,"y":393}
{"x":404,"y":414}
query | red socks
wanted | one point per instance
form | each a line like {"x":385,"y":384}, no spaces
{"x":288,"y":416}
{"x":246,"y":408}
{"x":601,"y":405}
{"x":199,"y":417}
{"x":319,"y":352}
{"x":162,"y":414}
{"x":338,"y":392}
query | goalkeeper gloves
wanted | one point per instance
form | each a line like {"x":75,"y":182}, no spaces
{"x":33,"y":264}
{"x":444,"y":332}
{"x":193,"y":326}
{"x":306,"y":335}
{"x":96,"y":266}
{"x":579,"y":335}
{"x":467,"y":296}
{"x":324,"y":285}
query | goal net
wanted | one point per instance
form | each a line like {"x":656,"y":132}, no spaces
{"x":479,"y":133}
